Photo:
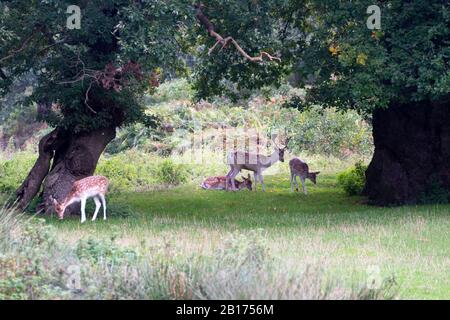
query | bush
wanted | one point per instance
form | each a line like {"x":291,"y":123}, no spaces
{"x":354,"y":179}
{"x":178,"y":89}
{"x":168,"y":172}
{"x":14,"y":171}
{"x":128,"y":171}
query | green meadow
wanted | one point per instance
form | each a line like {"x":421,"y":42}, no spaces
{"x":325,"y":229}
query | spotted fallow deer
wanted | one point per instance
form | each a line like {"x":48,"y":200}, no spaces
{"x":90,"y":187}
{"x":301,"y":169}
{"x":219,"y":183}
{"x":255,"y":162}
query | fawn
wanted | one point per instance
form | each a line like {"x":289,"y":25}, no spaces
{"x":301,"y":169}
{"x":90,"y":187}
{"x":219,"y":183}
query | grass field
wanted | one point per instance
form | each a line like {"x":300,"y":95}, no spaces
{"x":324,"y":229}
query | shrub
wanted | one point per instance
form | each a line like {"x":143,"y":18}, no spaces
{"x":354,"y":179}
{"x":168,"y":172}
{"x":178,"y":89}
{"x":128,"y":171}
{"x":14,"y":171}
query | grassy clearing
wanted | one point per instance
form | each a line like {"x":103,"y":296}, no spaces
{"x":326,"y":228}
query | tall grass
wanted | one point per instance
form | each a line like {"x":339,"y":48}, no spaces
{"x":33,"y":265}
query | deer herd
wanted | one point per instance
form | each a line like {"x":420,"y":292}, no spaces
{"x":96,"y":186}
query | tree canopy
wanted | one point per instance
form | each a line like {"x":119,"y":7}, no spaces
{"x":329,"y":46}
{"x":96,"y":75}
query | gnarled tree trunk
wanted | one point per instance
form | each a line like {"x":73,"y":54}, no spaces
{"x":31,"y":185}
{"x":412,"y":149}
{"x":74,"y":157}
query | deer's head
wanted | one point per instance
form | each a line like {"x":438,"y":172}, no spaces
{"x":281,"y":150}
{"x":312,"y":176}
{"x":59,"y":207}
{"x":247,"y":182}
{"x":281,"y":153}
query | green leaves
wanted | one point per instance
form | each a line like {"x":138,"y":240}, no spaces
{"x":70,"y":65}
{"x":325,"y":44}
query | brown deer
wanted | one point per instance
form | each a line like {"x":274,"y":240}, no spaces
{"x":301,"y":169}
{"x":90,"y":187}
{"x":219,"y":183}
{"x":255,"y":162}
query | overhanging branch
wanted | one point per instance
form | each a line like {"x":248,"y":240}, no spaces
{"x":204,"y":21}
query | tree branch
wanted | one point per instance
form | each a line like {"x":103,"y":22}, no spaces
{"x":205,"y":22}
{"x":2,"y":74}
{"x":22,"y":47}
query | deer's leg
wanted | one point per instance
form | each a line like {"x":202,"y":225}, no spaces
{"x":304,"y":185}
{"x":234,"y":173}
{"x":263,"y":186}
{"x":255,"y":175}
{"x":83,"y":210}
{"x":102,"y":197}
{"x":296,"y":182}
{"x":228,"y":181}
{"x":97,"y":207}
{"x":292,"y":182}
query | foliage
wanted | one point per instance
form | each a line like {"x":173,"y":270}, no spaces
{"x":313,"y":131}
{"x":354,"y":179}
{"x":95,"y":76}
{"x":256,"y":27}
{"x":13,"y":171}
{"x":328,"y":47}
{"x":177,"y":89}
{"x":323,"y":44}
{"x":136,"y":170}
{"x":167,"y":172}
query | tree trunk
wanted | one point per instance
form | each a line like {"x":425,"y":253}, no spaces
{"x":412,"y":150}
{"x":74,"y":157}
{"x":31,"y":185}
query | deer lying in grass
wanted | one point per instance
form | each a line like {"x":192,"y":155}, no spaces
{"x":219,"y":183}
{"x":90,"y":187}
{"x":255,"y":162}
{"x":301,"y":169}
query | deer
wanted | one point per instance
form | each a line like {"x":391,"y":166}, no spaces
{"x":89,"y":187}
{"x":219,"y":183}
{"x":254,"y":162}
{"x":300,"y":168}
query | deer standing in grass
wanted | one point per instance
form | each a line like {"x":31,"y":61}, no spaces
{"x":90,"y":187}
{"x":219,"y":183}
{"x":301,"y":169}
{"x":255,"y":162}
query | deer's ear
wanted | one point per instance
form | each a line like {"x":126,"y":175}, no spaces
{"x":317,"y":172}
{"x":248,"y":176}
